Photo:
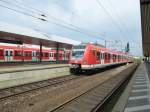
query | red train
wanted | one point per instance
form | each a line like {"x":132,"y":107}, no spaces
{"x":87,"y":57}
{"x":18,"y":53}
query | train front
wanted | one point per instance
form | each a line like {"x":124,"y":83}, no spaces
{"x":77,"y":58}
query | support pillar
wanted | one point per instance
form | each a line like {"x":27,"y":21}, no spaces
{"x":57,"y":52}
{"x":40,"y":52}
{"x":22,"y":52}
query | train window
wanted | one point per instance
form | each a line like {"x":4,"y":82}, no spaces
{"x":55,"y":55}
{"x":60,"y":55}
{"x":1,"y":53}
{"x":28,"y":53}
{"x":119,"y":57}
{"x":17,"y":53}
{"x":77,"y":54}
{"x":113,"y":56}
{"x":108,"y":56}
{"x":33,"y":54}
{"x":98,"y":55}
{"x":43,"y":54}
{"x":51,"y":54}
{"x":11,"y":53}
{"x":46,"y":54}
{"x":105,"y":55}
{"x":101,"y":56}
{"x":37,"y":53}
{"x":6,"y":53}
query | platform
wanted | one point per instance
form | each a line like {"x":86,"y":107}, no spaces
{"x":136,"y":96}
{"x":10,"y":69}
{"x":139,"y":99}
{"x":14,"y":76}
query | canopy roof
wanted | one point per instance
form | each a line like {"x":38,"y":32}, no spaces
{"x":145,"y":20}
{"x":13,"y":33}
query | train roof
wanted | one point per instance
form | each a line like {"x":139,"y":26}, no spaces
{"x":103,"y":49}
{"x":31,"y":36}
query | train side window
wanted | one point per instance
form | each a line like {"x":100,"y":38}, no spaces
{"x":101,"y":56}
{"x":105,"y":55}
{"x":28,"y":53}
{"x":11,"y":53}
{"x":46,"y":54}
{"x":60,"y":55}
{"x":17,"y":53}
{"x":6,"y":53}
{"x":43,"y":54}
{"x":52,"y":55}
{"x":109,"y":56}
{"x":55,"y":55}
{"x":32,"y":54}
{"x":1,"y":53}
{"x":98,"y":55}
{"x":115,"y":56}
{"x":37,"y":53}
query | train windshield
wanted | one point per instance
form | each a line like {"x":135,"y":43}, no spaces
{"x":77,"y":54}
{"x":78,"y":51}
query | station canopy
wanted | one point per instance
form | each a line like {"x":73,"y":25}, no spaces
{"x":16,"y":34}
{"x":145,"y":20}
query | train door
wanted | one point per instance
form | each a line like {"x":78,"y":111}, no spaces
{"x":111,"y":58}
{"x":34,"y":56}
{"x":97,"y":57}
{"x":8,"y":55}
{"x":51,"y":56}
{"x":102,"y":58}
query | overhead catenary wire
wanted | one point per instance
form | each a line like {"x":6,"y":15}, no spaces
{"x":119,"y":18}
{"x":19,"y":7}
{"x":21,"y":12}
{"x":41,"y":15}
{"x":45,"y":16}
{"x":58,"y":24}
{"x":112,"y":18}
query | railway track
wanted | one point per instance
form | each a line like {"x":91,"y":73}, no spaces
{"x":95,"y":99}
{"x":18,"y":90}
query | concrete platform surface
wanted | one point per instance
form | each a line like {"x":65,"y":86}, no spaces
{"x":10,"y":69}
{"x":136,"y":96}
{"x":139,"y":99}
{"x":14,"y":76}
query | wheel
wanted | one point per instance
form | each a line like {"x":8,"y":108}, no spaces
{"x":75,"y":71}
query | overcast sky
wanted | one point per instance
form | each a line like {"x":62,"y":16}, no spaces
{"x":117,"y":21}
